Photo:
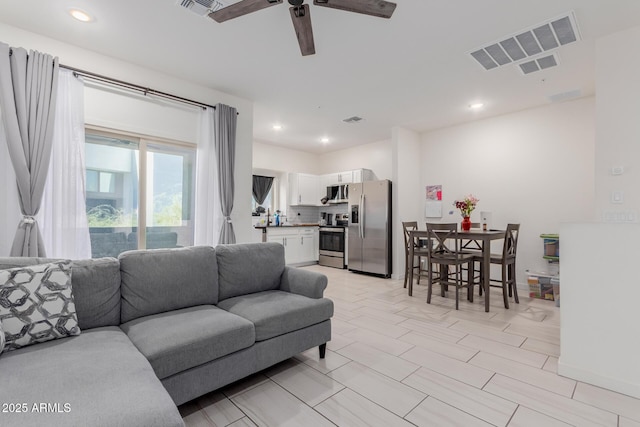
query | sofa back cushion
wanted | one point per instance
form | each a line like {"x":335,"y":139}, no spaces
{"x":159,"y":280}
{"x":96,"y":288}
{"x":248,"y":268}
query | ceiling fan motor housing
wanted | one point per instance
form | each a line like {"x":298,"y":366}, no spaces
{"x":296,"y":2}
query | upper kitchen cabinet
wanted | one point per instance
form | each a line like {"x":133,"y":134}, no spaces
{"x":345,"y":177}
{"x":361,"y":175}
{"x":338,"y":178}
{"x":328,"y":180}
{"x":304,"y":189}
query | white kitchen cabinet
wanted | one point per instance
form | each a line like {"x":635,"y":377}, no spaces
{"x":328,"y":180}
{"x":336,"y":178}
{"x":308,"y":245}
{"x":361,"y":175}
{"x":287,"y":238}
{"x":304,"y":189}
{"x":345,"y":177}
{"x":300,"y":243}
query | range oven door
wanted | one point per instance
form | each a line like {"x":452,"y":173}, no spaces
{"x":332,"y":247}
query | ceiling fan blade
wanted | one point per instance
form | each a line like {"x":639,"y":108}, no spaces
{"x":241,"y":8}
{"x":379,"y":8}
{"x":302,"y":24}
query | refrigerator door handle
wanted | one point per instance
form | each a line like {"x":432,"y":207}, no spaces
{"x":362,"y":216}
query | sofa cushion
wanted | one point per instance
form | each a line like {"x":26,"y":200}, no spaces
{"x":178,"y":340}
{"x":98,"y":378}
{"x":248,"y":268}
{"x":160,"y":280}
{"x":275,"y":313}
{"x":2,"y":338}
{"x":96,"y":288}
{"x":36,"y":304}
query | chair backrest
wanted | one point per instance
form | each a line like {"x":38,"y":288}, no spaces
{"x":443,"y":239}
{"x":408,"y":227}
{"x":510,"y":241}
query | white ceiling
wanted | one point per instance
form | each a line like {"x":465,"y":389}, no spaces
{"x":412,"y":71}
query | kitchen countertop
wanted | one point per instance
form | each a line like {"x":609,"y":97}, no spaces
{"x":310,"y":224}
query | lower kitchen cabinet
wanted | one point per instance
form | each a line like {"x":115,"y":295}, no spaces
{"x":300,"y":243}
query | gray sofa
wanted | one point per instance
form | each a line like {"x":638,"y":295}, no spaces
{"x":162,"y":327}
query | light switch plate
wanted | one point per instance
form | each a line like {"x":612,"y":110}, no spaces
{"x":617,"y":197}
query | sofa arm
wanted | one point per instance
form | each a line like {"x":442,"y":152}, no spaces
{"x":303,"y":282}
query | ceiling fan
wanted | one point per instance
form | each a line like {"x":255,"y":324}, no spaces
{"x":301,"y":17}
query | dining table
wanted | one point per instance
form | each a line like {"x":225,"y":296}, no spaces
{"x":479,"y":239}
{"x":483,"y":239}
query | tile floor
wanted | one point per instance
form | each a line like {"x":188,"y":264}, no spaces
{"x":395,"y":360}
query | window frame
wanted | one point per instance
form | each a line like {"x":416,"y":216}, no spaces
{"x":143,"y":141}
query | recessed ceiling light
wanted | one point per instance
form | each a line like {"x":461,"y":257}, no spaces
{"x":476,"y":106}
{"x":80,"y":15}
{"x":325,"y":140}
{"x":277,"y":127}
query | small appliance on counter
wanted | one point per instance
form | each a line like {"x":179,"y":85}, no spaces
{"x":330,"y":219}
{"x":342,"y":220}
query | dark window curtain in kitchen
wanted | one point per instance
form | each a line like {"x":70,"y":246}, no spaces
{"x":261,"y":187}
{"x":224,"y":125}
{"x":28,"y":86}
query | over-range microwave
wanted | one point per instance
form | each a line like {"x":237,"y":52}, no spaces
{"x":338,"y":193}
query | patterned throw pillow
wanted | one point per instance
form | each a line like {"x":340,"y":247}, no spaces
{"x":36,"y":304}
{"x":1,"y":338}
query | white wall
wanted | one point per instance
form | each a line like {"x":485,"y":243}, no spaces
{"x":599,"y":284}
{"x":136,"y":113}
{"x":405,"y":160}
{"x":618,"y":120}
{"x":375,"y":156}
{"x":273,"y":157}
{"x":599,"y":305}
{"x":123,"y":112}
{"x":534,"y":167}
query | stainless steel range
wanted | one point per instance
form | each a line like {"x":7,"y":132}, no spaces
{"x":332,"y":247}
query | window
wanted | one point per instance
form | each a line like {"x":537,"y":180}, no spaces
{"x":270,"y":202}
{"x":139,"y":193}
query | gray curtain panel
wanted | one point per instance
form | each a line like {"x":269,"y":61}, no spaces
{"x":28,"y":87}
{"x":261,"y":187}
{"x":224,"y":124}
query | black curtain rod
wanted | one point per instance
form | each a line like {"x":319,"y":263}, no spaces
{"x":145,"y":90}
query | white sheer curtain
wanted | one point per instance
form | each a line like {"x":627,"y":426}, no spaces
{"x":208,"y":217}
{"x":63,"y":214}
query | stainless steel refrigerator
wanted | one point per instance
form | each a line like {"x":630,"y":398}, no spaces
{"x":370,"y":227}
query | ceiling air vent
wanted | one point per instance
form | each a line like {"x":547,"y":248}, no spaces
{"x":539,"y":64}
{"x":528,"y":43}
{"x":202,"y":7}
{"x":354,"y":119}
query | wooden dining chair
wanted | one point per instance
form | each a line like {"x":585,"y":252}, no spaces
{"x":443,"y":250}
{"x":410,"y":258}
{"x":473,"y":247}
{"x":507,"y":262}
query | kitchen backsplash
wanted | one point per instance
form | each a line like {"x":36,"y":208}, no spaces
{"x":311,"y":214}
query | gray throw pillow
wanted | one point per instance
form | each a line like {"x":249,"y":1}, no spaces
{"x":36,"y":304}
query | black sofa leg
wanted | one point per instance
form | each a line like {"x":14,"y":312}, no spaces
{"x":323,"y":350}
